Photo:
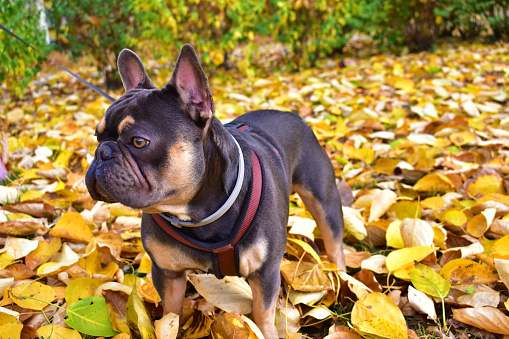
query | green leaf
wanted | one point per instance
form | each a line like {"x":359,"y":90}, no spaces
{"x":91,"y":316}
{"x":138,"y":319}
{"x":426,"y":280}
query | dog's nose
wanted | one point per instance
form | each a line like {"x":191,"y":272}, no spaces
{"x":105,"y":152}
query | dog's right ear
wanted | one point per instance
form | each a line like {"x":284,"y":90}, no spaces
{"x":132,"y":71}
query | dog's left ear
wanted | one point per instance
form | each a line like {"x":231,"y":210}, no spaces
{"x":191,"y":82}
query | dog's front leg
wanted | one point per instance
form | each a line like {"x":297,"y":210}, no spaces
{"x":171,"y":287}
{"x":265,"y":293}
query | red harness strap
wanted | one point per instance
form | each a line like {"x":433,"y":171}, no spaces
{"x":226,"y":256}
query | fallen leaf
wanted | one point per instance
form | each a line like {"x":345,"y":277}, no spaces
{"x":72,"y":226}
{"x":421,"y":303}
{"x":487,"y":318}
{"x":462,"y":271}
{"x":354,"y":223}
{"x":231,"y":294}
{"x":378,"y":315}
{"x":58,"y":332}
{"x":381,"y":203}
{"x":33,"y":295}
{"x":167,"y":327}
{"x":416,"y":232}
{"x":11,"y":327}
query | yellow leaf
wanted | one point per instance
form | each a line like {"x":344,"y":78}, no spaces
{"x":434,"y":183}
{"x":407,"y":256}
{"x":354,"y":223}
{"x":500,"y":249}
{"x":480,"y":223}
{"x":386,"y":165}
{"x":10,"y":326}
{"x":462,"y":138}
{"x":453,"y":217}
{"x":377,"y":315}
{"x":63,"y":159}
{"x":82,"y":288}
{"x":464,"y":271}
{"x":31,"y":174}
{"x":5,"y":260}
{"x":46,"y":249}
{"x":31,"y":195}
{"x":307,"y":248}
{"x":393,"y":235}
{"x":94,"y":265}
{"x":484,"y":183}
{"x":364,"y":154}
{"x":148,"y":293}
{"x":58,"y":332}
{"x":111,"y":241}
{"x":72,"y":226}
{"x":145,"y":264}
{"x":22,"y":295}
{"x":435,"y":203}
{"x":305,"y":276}
{"x":62,"y":260}
{"x":407,"y":209}
{"x":404,"y":84}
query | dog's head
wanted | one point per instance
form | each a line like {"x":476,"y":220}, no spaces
{"x":151,"y":141}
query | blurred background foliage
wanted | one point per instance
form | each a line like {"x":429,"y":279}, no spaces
{"x":227,"y":33}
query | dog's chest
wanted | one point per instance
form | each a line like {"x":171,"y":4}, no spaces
{"x":177,"y":258}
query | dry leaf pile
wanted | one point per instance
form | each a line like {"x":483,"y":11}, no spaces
{"x":421,"y":141}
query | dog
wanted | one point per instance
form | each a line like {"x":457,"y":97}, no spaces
{"x":214,"y":197}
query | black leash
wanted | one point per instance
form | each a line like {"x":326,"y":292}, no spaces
{"x":62,"y":67}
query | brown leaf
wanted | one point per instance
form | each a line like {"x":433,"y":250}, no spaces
{"x":229,"y":325}
{"x":487,"y":318}
{"x":46,"y":249}
{"x":22,"y":227}
{"x":305,"y":276}
{"x":117,"y":304}
{"x":17,"y":271}
{"x":36,"y":208}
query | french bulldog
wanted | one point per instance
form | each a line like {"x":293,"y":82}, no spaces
{"x":199,"y":182}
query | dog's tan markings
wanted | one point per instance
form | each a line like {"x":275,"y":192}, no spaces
{"x":251,"y":259}
{"x":128,"y":120}
{"x":181,"y":178}
{"x":172,"y":258}
{"x":333,"y":246}
{"x":101,"y":126}
{"x":263,"y":317}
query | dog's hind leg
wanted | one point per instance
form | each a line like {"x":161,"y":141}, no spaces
{"x":314,"y":181}
{"x":325,"y":207}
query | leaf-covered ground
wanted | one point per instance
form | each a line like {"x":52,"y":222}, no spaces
{"x":420,"y":144}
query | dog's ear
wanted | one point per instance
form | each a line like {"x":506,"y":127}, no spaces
{"x":191,"y":82}
{"x":132,"y":71}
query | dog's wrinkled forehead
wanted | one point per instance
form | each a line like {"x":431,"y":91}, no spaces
{"x":129,"y":104}
{"x":138,"y":105}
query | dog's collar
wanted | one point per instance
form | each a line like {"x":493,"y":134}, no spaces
{"x":223,"y":209}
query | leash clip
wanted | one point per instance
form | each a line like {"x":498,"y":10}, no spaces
{"x":175,"y":221}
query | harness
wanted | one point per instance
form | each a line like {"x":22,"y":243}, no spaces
{"x":225,"y":256}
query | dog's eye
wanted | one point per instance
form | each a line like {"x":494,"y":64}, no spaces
{"x":139,"y":142}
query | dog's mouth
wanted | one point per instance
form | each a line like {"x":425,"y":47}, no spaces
{"x":97,"y":192}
